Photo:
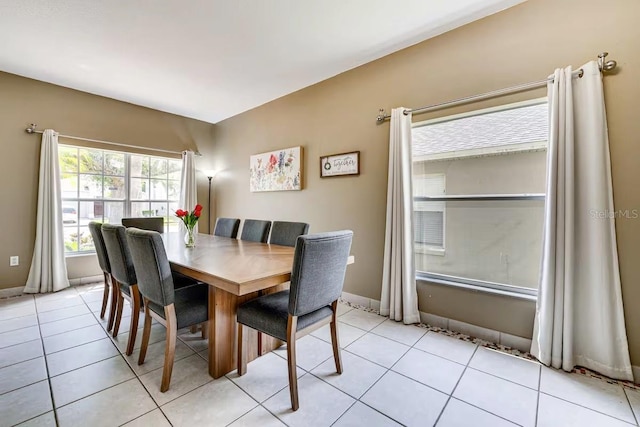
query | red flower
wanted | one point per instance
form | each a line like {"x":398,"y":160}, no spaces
{"x":190,"y":218}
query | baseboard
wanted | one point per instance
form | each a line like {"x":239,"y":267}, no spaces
{"x":362,"y":301}
{"x":636,"y":374}
{"x":11,"y":292}
{"x":85,"y":280}
{"x":18,"y":290}
{"x":490,"y":335}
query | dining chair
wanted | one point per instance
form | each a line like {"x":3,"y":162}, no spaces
{"x":174,"y":308}
{"x":154,"y":223}
{"x":317,"y":277}
{"x":126,"y":282}
{"x":286,"y":233}
{"x":95,"y":228}
{"x":255,"y":230}
{"x":227,"y":227}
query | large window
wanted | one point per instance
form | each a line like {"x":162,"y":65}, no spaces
{"x":483,"y":229}
{"x":105,"y":186}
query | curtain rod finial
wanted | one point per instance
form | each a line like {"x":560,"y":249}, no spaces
{"x":381,"y":116}
{"x":605,"y":65}
{"x":32,"y":128}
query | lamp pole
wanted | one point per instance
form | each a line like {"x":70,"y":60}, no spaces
{"x":210,"y":174}
{"x":209,"y":206}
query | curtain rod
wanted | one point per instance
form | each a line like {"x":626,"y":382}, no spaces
{"x":32,"y":129}
{"x":602,"y":65}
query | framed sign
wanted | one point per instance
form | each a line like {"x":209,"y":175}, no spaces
{"x":278,"y":170}
{"x":340,"y":164}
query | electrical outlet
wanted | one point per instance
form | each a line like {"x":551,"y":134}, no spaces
{"x":14,"y":261}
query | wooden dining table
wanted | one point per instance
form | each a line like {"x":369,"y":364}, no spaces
{"x":236,"y":271}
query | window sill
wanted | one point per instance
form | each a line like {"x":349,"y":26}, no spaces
{"x":79,"y":254}
{"x":531,"y":296}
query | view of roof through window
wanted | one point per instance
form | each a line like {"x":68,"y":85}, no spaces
{"x":487,"y":132}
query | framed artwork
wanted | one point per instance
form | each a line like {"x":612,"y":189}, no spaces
{"x":279,"y":170}
{"x":340,"y":164}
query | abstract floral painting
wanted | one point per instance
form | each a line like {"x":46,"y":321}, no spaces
{"x":279,"y":170}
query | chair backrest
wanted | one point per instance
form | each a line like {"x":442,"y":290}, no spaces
{"x":319,"y":266}
{"x":154,"y":223}
{"x":115,"y":241}
{"x":155,"y":281}
{"x":95,"y":228}
{"x":286,"y":233}
{"x":227,"y":227}
{"x":255,"y":230}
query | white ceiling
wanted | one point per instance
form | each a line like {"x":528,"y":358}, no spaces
{"x":212,"y":59}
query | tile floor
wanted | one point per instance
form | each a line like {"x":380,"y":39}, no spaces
{"x":58,"y":366}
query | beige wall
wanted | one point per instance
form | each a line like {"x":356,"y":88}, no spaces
{"x":521,"y":44}
{"x":23,"y":101}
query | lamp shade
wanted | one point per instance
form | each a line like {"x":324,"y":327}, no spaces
{"x":210,"y":173}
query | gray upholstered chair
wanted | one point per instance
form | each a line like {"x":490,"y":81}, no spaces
{"x":154,"y":223}
{"x":126,"y":282}
{"x":285,"y":233}
{"x":317,"y":277}
{"x":227,"y":227}
{"x":95,"y":228}
{"x":174,"y":308}
{"x":255,"y":230}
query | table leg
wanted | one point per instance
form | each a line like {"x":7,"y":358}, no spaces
{"x":223,"y":339}
{"x":211,"y":324}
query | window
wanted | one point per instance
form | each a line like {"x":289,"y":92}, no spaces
{"x":484,"y":230}
{"x":429,"y":216}
{"x":105,"y":186}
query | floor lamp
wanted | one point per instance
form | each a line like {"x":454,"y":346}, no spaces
{"x":210,"y":174}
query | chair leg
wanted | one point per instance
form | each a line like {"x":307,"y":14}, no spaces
{"x":114,"y":300}
{"x":193,"y":329}
{"x":242,"y":362}
{"x":135,"y":315}
{"x":204,"y":330}
{"x":334,"y":337}
{"x":292,"y":327}
{"x":146,"y":332}
{"x":170,"y":346}
{"x":105,"y":295}
{"x":260,"y":293}
{"x":119,"y":304}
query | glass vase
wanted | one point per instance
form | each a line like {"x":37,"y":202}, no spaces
{"x":189,"y":238}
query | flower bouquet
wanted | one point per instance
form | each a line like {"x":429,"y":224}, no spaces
{"x":190,"y":219}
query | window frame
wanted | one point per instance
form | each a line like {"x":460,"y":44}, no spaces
{"x":126,"y":201}
{"x":515,"y":291}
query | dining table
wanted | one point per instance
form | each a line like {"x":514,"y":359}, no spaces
{"x":236,"y":271}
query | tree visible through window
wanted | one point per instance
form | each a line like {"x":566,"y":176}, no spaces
{"x":105,"y":186}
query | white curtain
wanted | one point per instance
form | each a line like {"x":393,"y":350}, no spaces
{"x":579,"y":315}
{"x":188,"y":187}
{"x":399,"y":298}
{"x":48,"y":271}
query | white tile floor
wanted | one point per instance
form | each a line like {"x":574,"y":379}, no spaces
{"x":58,"y":366}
